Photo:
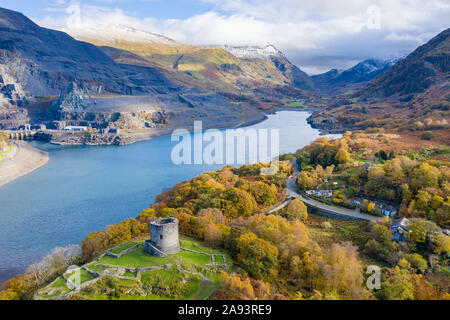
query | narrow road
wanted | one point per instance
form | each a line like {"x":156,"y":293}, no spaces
{"x":292,"y":193}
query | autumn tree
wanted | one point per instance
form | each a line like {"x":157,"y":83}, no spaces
{"x":416,"y":261}
{"x":397,"y":286}
{"x":257,"y":256}
{"x":212,"y":234}
{"x":296,"y":209}
{"x":263,"y":193}
{"x":342,"y":271}
{"x":308,"y":180}
{"x":240,"y":203}
{"x":441,"y":244}
{"x":422,"y":229}
{"x":424,"y":176}
{"x":342,"y":156}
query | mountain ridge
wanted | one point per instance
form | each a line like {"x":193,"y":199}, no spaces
{"x":341,"y":81}
{"x":427,"y":65}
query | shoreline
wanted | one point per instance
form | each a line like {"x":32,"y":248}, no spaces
{"x":254,"y":119}
{"x":26,"y":160}
{"x":29,"y":158}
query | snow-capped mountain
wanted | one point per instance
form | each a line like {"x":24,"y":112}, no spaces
{"x":366,"y":70}
{"x":253,"y":52}
{"x":353,"y":78}
{"x":111,"y":33}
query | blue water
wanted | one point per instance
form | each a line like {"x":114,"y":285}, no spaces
{"x":85,"y":188}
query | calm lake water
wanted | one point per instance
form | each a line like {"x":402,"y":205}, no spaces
{"x":84,"y":189}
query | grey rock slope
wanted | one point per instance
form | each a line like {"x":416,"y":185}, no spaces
{"x":40,"y":61}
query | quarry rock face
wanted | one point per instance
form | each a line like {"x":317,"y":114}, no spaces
{"x":12,"y":117}
{"x":45,"y":61}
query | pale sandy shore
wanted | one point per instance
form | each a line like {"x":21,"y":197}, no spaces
{"x":25,"y":160}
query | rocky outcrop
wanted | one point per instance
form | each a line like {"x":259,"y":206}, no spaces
{"x":90,"y":139}
{"x":46,"y":62}
{"x":11,"y":116}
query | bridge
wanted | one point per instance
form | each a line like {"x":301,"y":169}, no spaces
{"x":28,"y":135}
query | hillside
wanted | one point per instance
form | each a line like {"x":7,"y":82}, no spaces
{"x":292,"y":253}
{"x":136,"y":275}
{"x":336,"y":82}
{"x":47,"y":77}
{"x":412,"y":95}
{"x":49,"y":59}
{"x":428,"y":65}
{"x":209,"y":68}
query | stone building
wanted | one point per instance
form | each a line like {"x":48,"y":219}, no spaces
{"x":163,"y":237}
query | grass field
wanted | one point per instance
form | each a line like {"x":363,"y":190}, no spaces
{"x":139,"y":258}
{"x":294,"y":104}
{"x":189,"y":277}
{"x":58,"y":288}
{"x":129,"y":274}
{"x":83,"y":276}
{"x":4,"y":153}
{"x":122,"y":247}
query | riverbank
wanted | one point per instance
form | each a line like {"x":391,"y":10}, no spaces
{"x":25,"y":160}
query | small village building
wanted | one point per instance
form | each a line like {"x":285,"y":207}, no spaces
{"x":320,"y":193}
{"x":389,"y":211}
{"x":76,"y":128}
{"x":37,"y":127}
{"x":399,"y":229}
{"x":25,"y":127}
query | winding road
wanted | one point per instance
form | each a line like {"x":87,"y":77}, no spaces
{"x":292,"y":192}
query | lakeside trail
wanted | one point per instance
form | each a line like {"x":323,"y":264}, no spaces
{"x":25,"y":160}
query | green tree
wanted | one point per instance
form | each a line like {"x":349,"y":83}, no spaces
{"x":441,"y":244}
{"x":421,"y":229}
{"x":424,"y":176}
{"x":381,"y":155}
{"x":398,"y":286}
{"x":416,"y":261}
{"x":392,"y":154}
{"x":427,"y":135}
{"x":436,"y":202}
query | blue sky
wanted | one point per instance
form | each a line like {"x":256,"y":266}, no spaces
{"x":315,"y":35}
{"x":163,"y":9}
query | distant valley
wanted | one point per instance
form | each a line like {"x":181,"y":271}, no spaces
{"x":146,"y":84}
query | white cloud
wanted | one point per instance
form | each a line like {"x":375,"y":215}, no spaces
{"x":317,"y":35}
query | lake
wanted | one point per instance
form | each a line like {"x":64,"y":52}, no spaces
{"x":85,"y":188}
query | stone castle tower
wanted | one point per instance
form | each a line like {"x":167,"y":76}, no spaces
{"x":163,"y":237}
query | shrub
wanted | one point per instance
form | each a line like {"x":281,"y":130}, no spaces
{"x":326,"y":225}
{"x":427,"y":135}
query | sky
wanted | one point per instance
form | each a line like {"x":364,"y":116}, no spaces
{"x":315,"y":35}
